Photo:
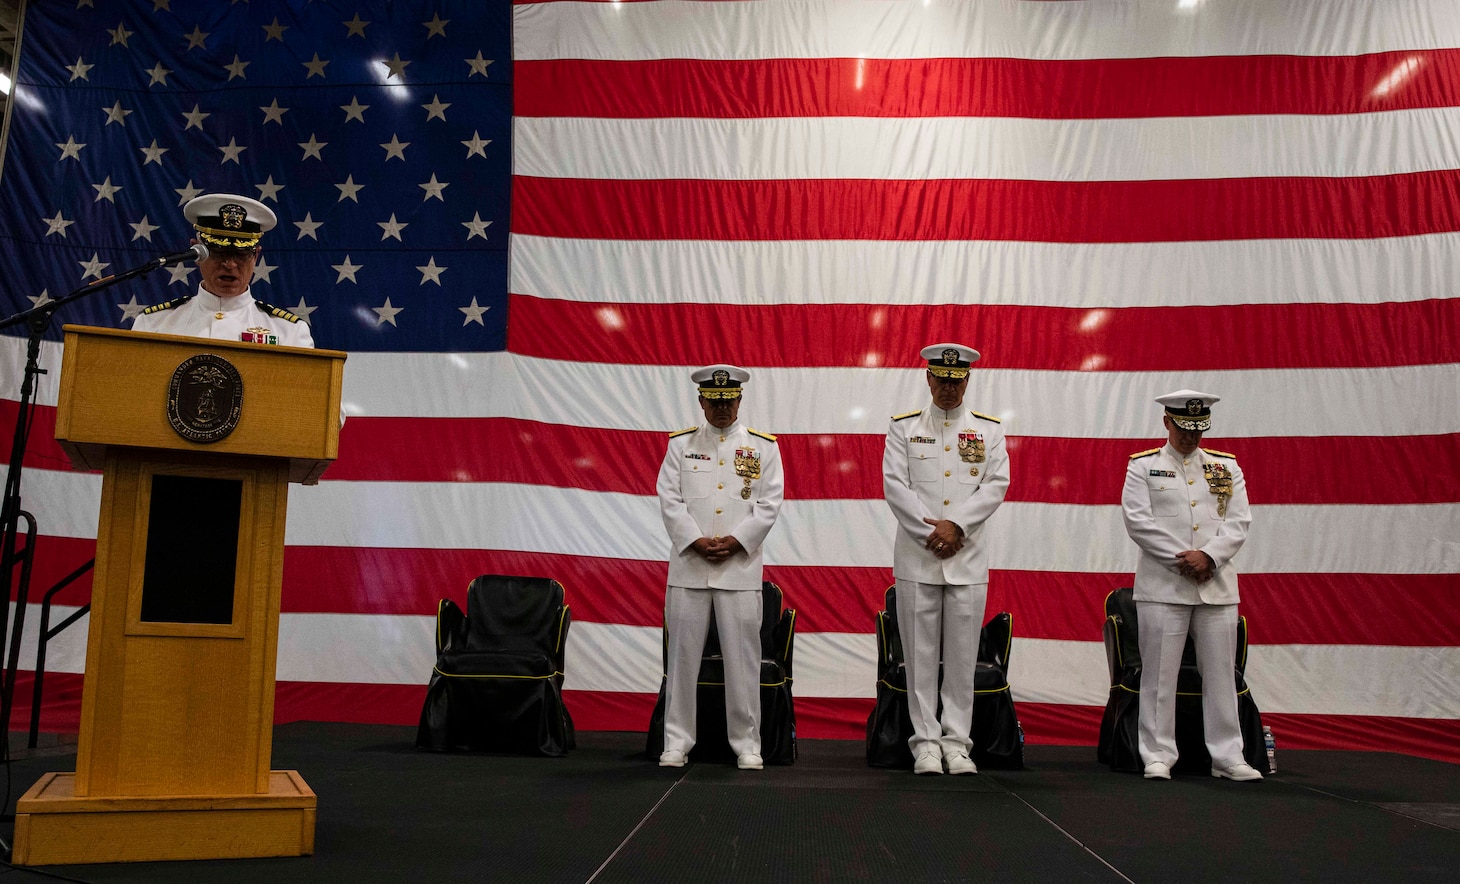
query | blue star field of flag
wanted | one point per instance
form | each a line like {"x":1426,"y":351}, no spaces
{"x":379,"y":133}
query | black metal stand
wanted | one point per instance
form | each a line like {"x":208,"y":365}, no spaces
{"x":38,"y":321}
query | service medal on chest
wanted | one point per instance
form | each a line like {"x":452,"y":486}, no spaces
{"x":747,"y":463}
{"x":970,"y":447}
{"x":1219,"y":482}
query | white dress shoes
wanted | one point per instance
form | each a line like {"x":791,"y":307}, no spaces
{"x":749,"y":761}
{"x":928,"y":762}
{"x":1158,"y":770}
{"x":672,"y":758}
{"x":959,"y":763}
{"x":1241,"y":772}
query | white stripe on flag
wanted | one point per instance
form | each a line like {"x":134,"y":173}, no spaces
{"x":993,"y":28}
{"x":610,"y":525}
{"x":1333,"y":145}
{"x":924,"y":272}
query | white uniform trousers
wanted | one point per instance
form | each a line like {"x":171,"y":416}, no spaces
{"x":737,"y":620}
{"x":934,"y":618}
{"x":1163,"y":628}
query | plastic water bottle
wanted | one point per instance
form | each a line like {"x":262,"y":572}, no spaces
{"x":1271,"y":749}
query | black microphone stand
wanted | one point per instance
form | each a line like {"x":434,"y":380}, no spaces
{"x":38,"y":321}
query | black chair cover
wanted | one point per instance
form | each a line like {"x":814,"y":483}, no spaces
{"x":998,"y":741}
{"x":498,"y":681}
{"x":777,"y":711}
{"x":1119,"y":727}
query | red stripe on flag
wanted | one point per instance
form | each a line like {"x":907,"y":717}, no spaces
{"x":1030,"y":337}
{"x":992,"y":209}
{"x":985,"y":87}
{"x":1280,"y":470}
{"x":1281,"y":608}
{"x":816,"y":717}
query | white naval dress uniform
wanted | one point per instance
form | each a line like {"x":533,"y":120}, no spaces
{"x":1169,"y":507}
{"x":702,"y":493}
{"x":205,"y":315}
{"x":942,"y":465}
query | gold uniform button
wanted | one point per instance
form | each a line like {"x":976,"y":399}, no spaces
{"x":947,"y":472}
{"x":1193,"y":503}
{"x":1184,"y":461}
{"x":722,"y":463}
{"x":721,"y":485}
{"x":717,"y":511}
{"x":945,"y":423}
{"x":1196,"y":527}
{"x":217,"y":315}
{"x":973,"y":471}
{"x":947,"y":448}
{"x":945,"y":503}
{"x":1191,"y":481}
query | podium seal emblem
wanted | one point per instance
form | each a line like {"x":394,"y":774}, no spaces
{"x":205,"y":398}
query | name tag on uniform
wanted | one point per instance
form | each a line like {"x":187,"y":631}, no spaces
{"x":922,"y":440}
{"x":1168,"y":474}
{"x":692,"y":456}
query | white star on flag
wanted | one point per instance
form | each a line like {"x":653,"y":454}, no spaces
{"x":473,"y":313}
{"x":387,"y":313}
{"x":347,"y":271}
{"x":430,"y":272}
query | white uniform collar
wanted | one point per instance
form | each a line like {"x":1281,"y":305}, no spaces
{"x":711,"y":428}
{"x":1170,"y":451}
{"x":935,"y":411}
{"x":214,"y":304}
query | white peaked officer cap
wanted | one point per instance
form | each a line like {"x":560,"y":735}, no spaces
{"x":229,"y":221}
{"x":720,"y":381}
{"x":1189,"y":409}
{"x":949,"y":360}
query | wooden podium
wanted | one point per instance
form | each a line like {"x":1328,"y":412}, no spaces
{"x":198,"y":440}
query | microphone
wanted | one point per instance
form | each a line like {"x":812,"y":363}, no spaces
{"x":198,"y":252}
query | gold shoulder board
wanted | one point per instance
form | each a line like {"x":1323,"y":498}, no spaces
{"x":987,"y":417}
{"x":280,"y":312}
{"x":683,"y":431}
{"x":766,"y":436}
{"x":165,"y":305}
{"x":902,"y":417}
{"x":1147,"y":452}
{"x":1226,"y":454}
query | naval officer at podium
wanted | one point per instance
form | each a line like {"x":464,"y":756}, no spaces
{"x":231,"y":227}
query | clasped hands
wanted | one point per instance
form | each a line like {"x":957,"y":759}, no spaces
{"x":1195,"y":564}
{"x":717,"y":549}
{"x":946,"y":538}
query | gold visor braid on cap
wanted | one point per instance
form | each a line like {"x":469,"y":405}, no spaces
{"x":943,"y":371}
{"x":720,"y":392}
{"x":227,"y":239}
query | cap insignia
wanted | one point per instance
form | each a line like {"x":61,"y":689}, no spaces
{"x":721,"y":377}
{"x":1193,"y":406}
{"x":950,"y":356}
{"x":232,"y":216}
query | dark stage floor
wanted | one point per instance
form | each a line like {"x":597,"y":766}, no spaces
{"x":606,"y":814}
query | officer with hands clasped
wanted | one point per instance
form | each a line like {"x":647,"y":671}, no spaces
{"x":945,"y":471}
{"x":1186,"y":509}
{"x":720,"y":490}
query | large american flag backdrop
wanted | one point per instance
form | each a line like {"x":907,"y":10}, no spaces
{"x":1260,"y":199}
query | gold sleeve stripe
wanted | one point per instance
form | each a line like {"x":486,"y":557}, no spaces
{"x":987,"y":417}
{"x":1148,"y":451}
{"x":682,"y":432}
{"x":766,"y":436}
{"x":905,"y":416}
